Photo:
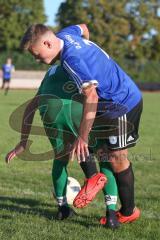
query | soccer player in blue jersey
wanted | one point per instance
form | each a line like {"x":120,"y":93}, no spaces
{"x":7,"y":69}
{"x":109,"y":94}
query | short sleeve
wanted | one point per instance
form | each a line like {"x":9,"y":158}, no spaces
{"x":79,"y":72}
{"x":73,"y":30}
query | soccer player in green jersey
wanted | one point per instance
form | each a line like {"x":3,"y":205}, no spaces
{"x":61,"y":109}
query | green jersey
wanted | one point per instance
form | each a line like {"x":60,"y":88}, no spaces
{"x":57,"y":108}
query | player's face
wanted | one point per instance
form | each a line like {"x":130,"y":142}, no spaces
{"x":44,"y":51}
{"x":41,"y":53}
{"x":9,"y":60}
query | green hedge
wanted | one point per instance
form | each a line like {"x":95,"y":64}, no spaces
{"x":22,"y":61}
{"x":140,"y":71}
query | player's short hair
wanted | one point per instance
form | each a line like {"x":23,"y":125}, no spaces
{"x":32,"y":35}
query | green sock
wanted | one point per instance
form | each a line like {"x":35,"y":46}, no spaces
{"x":110,"y":190}
{"x":59,"y":178}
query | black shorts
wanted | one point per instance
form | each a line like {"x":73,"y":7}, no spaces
{"x":6,"y":80}
{"x":119,"y":133}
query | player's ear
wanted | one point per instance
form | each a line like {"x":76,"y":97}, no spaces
{"x":47,"y":43}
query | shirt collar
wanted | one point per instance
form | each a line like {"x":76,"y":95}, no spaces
{"x":61,"y":46}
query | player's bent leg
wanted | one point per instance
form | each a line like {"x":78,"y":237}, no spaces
{"x":59,"y":177}
{"x":125,"y":181}
{"x":110,"y":191}
{"x":6,"y":88}
{"x":119,"y":160}
{"x":3,"y":83}
{"x":92,"y":185}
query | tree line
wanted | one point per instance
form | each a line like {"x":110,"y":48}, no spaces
{"x":128,"y":30}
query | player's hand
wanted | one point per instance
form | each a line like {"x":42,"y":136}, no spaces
{"x":15,"y":152}
{"x":79,"y":150}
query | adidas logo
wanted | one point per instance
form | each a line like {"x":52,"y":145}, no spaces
{"x":130,"y":138}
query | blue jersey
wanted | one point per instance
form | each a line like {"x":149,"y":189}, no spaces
{"x":7,"y":70}
{"x":87,"y":63}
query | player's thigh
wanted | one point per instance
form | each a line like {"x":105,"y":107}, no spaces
{"x":126,"y":131}
{"x":121,"y":134}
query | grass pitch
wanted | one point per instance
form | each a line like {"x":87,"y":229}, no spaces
{"x":26,"y":206}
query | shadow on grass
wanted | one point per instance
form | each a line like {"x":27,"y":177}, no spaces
{"x":37,"y":208}
{"x":23,"y":201}
{"x":31,"y":206}
{"x":6,"y":217}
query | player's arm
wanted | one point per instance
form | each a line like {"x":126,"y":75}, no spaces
{"x":78,"y":30}
{"x":25,"y":129}
{"x":80,"y":147}
{"x":28,"y":119}
{"x":13,"y":68}
{"x":89,"y":111}
{"x":84,"y":78}
{"x":1,"y":73}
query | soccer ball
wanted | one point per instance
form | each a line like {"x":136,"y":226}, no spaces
{"x":73,"y":188}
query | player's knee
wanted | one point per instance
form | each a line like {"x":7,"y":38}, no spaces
{"x":118,"y":159}
{"x":102,"y":155}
